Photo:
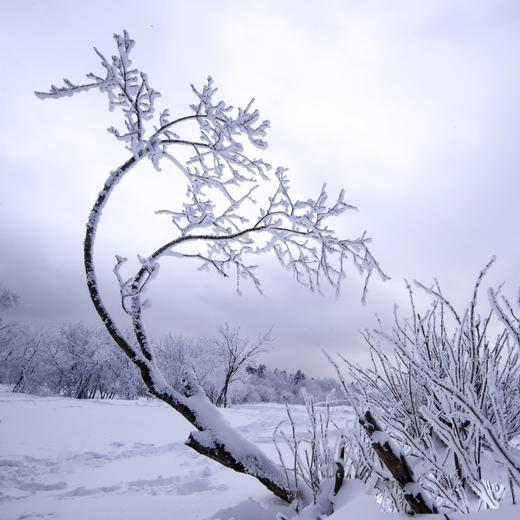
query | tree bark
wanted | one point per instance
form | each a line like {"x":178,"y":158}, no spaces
{"x":340,"y":469}
{"x":253,"y":462}
{"x":398,"y":467}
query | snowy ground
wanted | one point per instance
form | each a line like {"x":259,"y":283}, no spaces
{"x":68,"y":459}
{"x":63,"y":459}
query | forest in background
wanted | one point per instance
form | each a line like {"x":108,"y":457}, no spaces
{"x":82,"y":362}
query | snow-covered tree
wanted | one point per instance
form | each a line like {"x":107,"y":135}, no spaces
{"x":8,"y":298}
{"x":173,"y":353}
{"x":236,"y":351}
{"x":24,"y":367}
{"x":8,"y":330}
{"x":71,"y":360}
{"x":298,"y":377}
{"x":177,"y":353}
{"x":83,"y":364}
{"x":216,"y":225}
{"x":263,"y":384}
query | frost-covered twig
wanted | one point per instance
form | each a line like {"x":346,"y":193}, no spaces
{"x":449,"y":395}
{"x":222,"y":174}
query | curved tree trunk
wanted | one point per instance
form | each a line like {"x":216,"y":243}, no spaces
{"x":215,"y":438}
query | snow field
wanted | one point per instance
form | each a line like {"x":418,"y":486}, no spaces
{"x":111,"y":459}
{"x":66,"y":459}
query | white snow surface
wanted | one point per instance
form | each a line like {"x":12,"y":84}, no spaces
{"x":81,"y":459}
{"x":64,"y":459}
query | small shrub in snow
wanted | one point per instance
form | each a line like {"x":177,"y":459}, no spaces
{"x":311,"y":465}
{"x":446,"y":395}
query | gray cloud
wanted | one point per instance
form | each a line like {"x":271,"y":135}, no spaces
{"x":412,"y":107}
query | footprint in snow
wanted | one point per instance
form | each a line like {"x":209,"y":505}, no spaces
{"x":177,"y":485}
{"x":85,"y":492}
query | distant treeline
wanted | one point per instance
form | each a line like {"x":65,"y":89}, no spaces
{"x":77,"y":361}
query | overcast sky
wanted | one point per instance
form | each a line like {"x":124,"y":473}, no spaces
{"x":413,"y":107}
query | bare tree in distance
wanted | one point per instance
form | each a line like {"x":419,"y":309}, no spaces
{"x":236,"y":350}
{"x":214,"y":225}
{"x":8,"y":300}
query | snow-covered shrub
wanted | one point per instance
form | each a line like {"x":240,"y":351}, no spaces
{"x":445,"y":393}
{"x":310,"y":461}
{"x":8,"y":331}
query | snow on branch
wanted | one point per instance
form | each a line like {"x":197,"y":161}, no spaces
{"x":506,"y":313}
{"x":127,"y":89}
{"x":225,"y":219}
{"x":222,"y":177}
{"x":448,"y":393}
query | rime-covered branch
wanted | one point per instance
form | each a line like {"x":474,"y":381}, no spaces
{"x":449,"y":394}
{"x":224,"y":219}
